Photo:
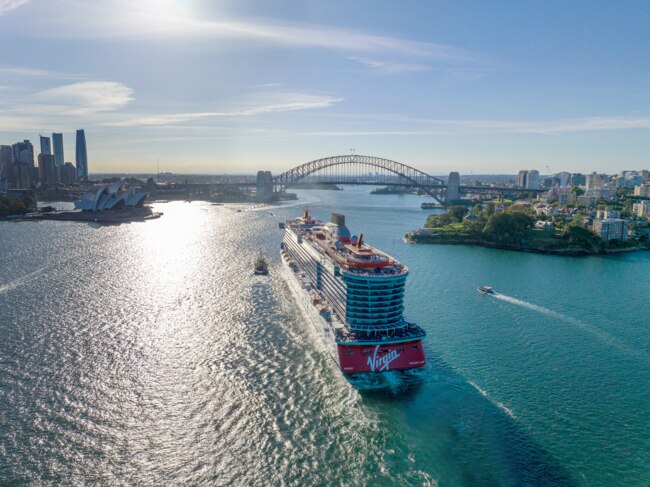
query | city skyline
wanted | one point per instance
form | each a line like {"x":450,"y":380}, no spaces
{"x":241,"y":87}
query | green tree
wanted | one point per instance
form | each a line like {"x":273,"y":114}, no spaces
{"x":578,"y":191}
{"x":29,"y":203}
{"x":508,"y":226}
{"x":577,"y":235}
{"x":11,"y":206}
{"x":457,"y":212}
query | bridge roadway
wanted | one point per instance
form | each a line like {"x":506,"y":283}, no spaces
{"x":359,"y":169}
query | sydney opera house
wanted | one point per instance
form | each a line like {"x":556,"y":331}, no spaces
{"x":114,"y":196}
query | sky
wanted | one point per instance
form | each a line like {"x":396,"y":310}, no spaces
{"x":236,"y":86}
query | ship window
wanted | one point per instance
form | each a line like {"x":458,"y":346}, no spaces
{"x":349,"y":352}
{"x":415,"y":347}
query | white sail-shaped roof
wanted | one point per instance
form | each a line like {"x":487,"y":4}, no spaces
{"x":111,"y":197}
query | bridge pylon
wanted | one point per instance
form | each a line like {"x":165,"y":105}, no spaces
{"x":453,"y":188}
{"x":264,"y":186}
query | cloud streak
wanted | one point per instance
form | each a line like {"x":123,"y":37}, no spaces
{"x":88,"y":96}
{"x":127,"y":19}
{"x":7,"y":6}
{"x":390,"y":68}
{"x":27,"y":72}
{"x":277,"y":102}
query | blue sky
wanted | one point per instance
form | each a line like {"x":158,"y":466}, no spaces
{"x":237,"y":86}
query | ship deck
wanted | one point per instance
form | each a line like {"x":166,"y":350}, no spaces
{"x":379,"y":264}
{"x":407,"y":334}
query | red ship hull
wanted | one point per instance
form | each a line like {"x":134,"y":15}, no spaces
{"x":378,"y":358}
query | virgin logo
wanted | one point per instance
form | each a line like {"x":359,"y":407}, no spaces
{"x":381,"y":363}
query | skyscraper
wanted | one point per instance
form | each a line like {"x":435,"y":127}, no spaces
{"x":57,"y":142}
{"x":594,"y":181}
{"x":23,"y":168}
{"x":82,"y":156}
{"x":46,"y":169}
{"x":532,"y":181}
{"x":522,"y":178}
{"x":6,"y":163}
{"x":24,"y":153}
{"x":46,"y":147}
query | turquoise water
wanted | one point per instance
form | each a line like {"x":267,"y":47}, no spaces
{"x":148,"y":354}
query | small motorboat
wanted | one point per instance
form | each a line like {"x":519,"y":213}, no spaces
{"x":261,"y":267}
{"x":486,"y":290}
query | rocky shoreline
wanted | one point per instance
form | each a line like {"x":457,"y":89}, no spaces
{"x":567,"y":251}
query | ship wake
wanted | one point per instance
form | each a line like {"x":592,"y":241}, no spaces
{"x":601,"y":335}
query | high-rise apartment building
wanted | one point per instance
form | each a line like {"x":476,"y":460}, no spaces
{"x":532,"y":181}
{"x":47,"y":169}
{"x":528,"y":179}
{"x":522,"y":178}
{"x":594,"y":180}
{"x":610,"y":229}
{"x":82,"y":156}
{"x":24,"y":171}
{"x":67,"y":173}
{"x":642,"y":190}
{"x":641,"y":208}
{"x":564,"y":177}
{"x":46,"y":146}
{"x":57,"y":142}
{"x":23,"y":153}
{"x":6,"y":163}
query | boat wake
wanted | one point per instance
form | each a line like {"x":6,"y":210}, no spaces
{"x":395,"y":382}
{"x":21,"y":281}
{"x":596,"y":332}
{"x":498,"y":404}
{"x":534,"y":307}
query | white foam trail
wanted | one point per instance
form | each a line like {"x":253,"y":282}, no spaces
{"x":601,"y":335}
{"x":21,"y":281}
{"x":498,"y":404}
{"x":534,"y":307}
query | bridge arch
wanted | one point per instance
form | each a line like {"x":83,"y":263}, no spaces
{"x":433,"y":186}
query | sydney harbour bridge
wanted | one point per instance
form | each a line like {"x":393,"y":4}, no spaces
{"x":375,"y":171}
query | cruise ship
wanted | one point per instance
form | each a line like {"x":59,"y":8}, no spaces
{"x":353,"y":294}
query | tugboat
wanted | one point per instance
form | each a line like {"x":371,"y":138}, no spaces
{"x":261,"y":267}
{"x":485,"y":290}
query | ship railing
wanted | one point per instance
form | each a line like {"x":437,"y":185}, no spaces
{"x":410,"y":332}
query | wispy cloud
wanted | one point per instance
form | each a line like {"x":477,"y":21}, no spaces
{"x":88,"y":96}
{"x":7,"y":6}
{"x":397,"y":124}
{"x":28,"y":72}
{"x":67,"y":105}
{"x":389,"y":68}
{"x":125,"y":18}
{"x":268,"y":103}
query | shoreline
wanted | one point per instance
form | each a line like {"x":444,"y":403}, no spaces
{"x":569,"y":251}
{"x":108,"y":216}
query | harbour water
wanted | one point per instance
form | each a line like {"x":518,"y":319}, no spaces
{"x":148,"y":353}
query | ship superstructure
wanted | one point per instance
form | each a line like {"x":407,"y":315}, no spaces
{"x":353,"y":294}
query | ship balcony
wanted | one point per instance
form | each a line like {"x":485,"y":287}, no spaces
{"x":363,"y":293}
{"x":370,"y":309}
{"x":401,"y":333}
{"x":355,"y":323}
{"x":372,"y":301}
{"x":371,"y":287}
{"x":374,"y":313}
{"x":393,"y":270}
